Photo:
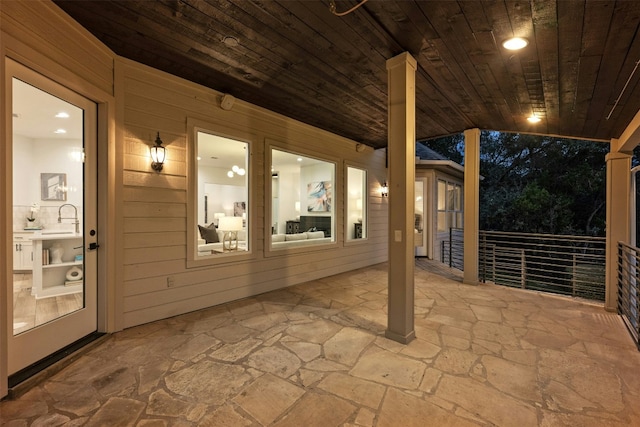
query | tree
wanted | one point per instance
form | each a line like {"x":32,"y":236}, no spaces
{"x":537,"y":184}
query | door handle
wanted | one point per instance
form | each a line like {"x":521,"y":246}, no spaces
{"x":93,"y":246}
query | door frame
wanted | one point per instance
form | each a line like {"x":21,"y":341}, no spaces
{"x":41,"y":341}
{"x":109,"y":299}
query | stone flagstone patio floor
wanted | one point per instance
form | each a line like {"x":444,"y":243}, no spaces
{"x":315,"y":355}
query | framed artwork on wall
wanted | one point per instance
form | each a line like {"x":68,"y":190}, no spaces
{"x":53,"y":186}
{"x":319,"y":196}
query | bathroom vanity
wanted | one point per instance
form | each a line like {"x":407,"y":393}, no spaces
{"x":57,"y":278}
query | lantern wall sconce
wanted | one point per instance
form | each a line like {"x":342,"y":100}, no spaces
{"x":158,"y":155}
{"x":384,"y":190}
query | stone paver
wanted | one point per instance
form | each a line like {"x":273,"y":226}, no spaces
{"x":315,"y":355}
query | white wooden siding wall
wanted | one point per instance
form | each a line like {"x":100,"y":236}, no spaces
{"x":155,"y":205}
{"x":41,"y":36}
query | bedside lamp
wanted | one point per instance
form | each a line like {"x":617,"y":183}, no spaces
{"x":230,"y":225}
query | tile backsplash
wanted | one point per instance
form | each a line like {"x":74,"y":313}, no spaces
{"x":47,"y":217}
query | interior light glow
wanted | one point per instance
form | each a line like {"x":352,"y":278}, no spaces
{"x":533,"y":119}
{"x":62,"y":115}
{"x":230,"y":174}
{"x":59,"y":131}
{"x":515,"y":43}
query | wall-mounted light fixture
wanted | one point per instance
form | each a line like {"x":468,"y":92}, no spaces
{"x":384,"y":190}
{"x":158,"y":153}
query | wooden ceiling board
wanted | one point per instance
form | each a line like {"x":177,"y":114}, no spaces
{"x":544,"y":17}
{"x":625,"y":19}
{"x":298,"y":59}
{"x":508,"y":65}
{"x":570,"y":27}
{"x":327,"y":61}
{"x":453,"y":46}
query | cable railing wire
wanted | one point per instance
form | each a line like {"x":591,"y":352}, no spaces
{"x":628,"y":278}
{"x":561,"y":264}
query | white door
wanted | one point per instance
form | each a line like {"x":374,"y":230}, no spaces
{"x":53,"y":300}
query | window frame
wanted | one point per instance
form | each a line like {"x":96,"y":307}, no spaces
{"x":211,"y":127}
{"x":269,"y":251}
{"x":365,"y":203}
{"x":450,"y":212}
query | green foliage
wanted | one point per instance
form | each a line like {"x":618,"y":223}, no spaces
{"x":537,"y":184}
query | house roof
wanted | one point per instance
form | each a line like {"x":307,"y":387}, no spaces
{"x":578,"y":72}
{"x":426,"y":158}
{"x":426,"y":153}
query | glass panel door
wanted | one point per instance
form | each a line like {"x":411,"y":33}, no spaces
{"x":54,"y":278}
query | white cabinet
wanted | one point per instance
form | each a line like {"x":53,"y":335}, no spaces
{"x":22,"y":252}
{"x":53,"y":279}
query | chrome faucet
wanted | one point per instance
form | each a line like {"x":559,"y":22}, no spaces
{"x":75,"y":218}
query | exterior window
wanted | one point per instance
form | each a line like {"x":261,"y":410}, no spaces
{"x":356,"y":221}
{"x":223,"y":196}
{"x":449,"y":205}
{"x":303,"y":193}
{"x":442,"y":216}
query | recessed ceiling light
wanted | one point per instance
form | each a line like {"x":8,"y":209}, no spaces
{"x":515,"y":43}
{"x":533,"y":119}
{"x":230,"y":41}
{"x":299,"y":159}
{"x":62,"y":115}
{"x":199,"y":158}
{"x":60,"y":131}
{"x":230,"y":174}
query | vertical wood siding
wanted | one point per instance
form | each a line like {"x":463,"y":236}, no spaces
{"x":155,"y":206}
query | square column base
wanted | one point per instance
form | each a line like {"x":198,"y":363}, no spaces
{"x":402,"y":339}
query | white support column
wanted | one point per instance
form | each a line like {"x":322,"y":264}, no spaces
{"x":402,"y":151}
{"x":618,"y":219}
{"x":471,"y":204}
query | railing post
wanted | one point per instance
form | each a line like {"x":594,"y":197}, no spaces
{"x":523,"y":273}
{"x":493,"y":263}
{"x":483,"y":249}
{"x":450,"y":247}
{"x":573,"y":277}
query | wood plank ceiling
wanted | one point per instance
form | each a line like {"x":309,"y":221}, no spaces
{"x":298,"y":59}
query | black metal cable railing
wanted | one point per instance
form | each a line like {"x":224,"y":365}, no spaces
{"x":628,"y":278}
{"x":568,"y":265}
{"x":451,"y":252}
